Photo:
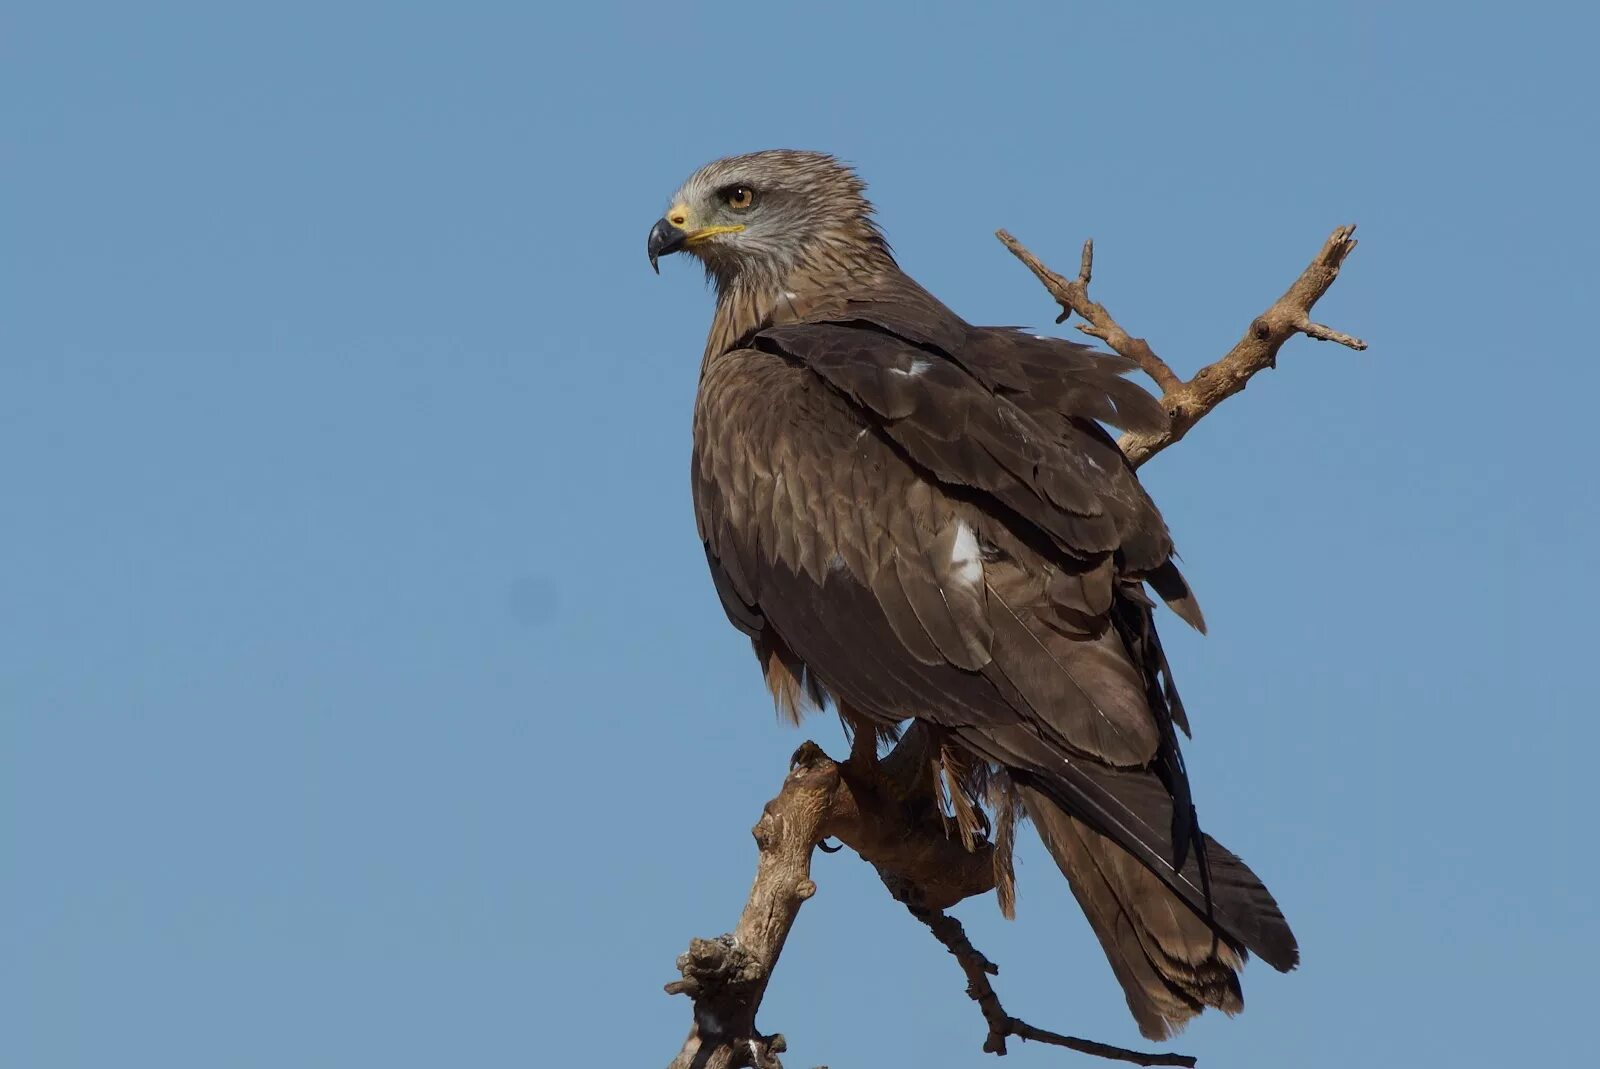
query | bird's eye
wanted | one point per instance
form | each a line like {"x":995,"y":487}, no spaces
{"x":740,"y":197}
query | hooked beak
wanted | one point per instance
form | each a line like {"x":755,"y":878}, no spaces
{"x":678,"y":230}
{"x":665,"y":239}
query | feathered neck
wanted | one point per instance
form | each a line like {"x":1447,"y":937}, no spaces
{"x":816,"y":284}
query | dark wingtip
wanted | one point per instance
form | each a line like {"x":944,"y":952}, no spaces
{"x":1173,"y":588}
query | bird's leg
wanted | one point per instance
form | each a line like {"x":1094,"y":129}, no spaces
{"x":864,"y":750}
{"x":910,"y":769}
{"x":863,"y":760}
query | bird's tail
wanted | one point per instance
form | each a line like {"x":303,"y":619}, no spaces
{"x":1170,"y":961}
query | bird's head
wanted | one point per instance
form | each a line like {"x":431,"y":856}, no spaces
{"x":755,"y":218}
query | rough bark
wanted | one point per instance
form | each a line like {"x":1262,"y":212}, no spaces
{"x":887,"y":810}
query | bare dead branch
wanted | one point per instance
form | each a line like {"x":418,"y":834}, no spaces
{"x":1187,"y":402}
{"x":727,"y":977}
{"x":886,"y":811}
{"x":882,"y":811}
{"x":1073,"y":295}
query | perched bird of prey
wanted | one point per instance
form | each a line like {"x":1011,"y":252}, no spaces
{"x":914,"y":518}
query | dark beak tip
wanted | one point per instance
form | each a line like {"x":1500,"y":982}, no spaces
{"x":664,"y":239}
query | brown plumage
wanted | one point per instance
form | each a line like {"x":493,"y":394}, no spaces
{"x":916,"y":518}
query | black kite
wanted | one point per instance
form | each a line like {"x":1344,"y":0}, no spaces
{"x":916,"y":518}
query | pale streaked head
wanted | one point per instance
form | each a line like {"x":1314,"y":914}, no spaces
{"x":761,"y":215}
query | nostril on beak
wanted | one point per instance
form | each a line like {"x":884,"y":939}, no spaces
{"x":677,"y":219}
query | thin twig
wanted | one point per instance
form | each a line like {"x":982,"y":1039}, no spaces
{"x":1073,"y":295}
{"x":1186,"y":402}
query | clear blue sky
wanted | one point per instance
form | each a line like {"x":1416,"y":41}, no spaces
{"x":364,"y":700}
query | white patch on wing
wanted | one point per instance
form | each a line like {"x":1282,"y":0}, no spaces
{"x":965,"y":556}
{"x":918,"y":366}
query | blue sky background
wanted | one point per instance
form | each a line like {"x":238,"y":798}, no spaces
{"x":363,"y":699}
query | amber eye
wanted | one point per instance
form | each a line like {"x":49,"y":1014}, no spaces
{"x":741,"y":197}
